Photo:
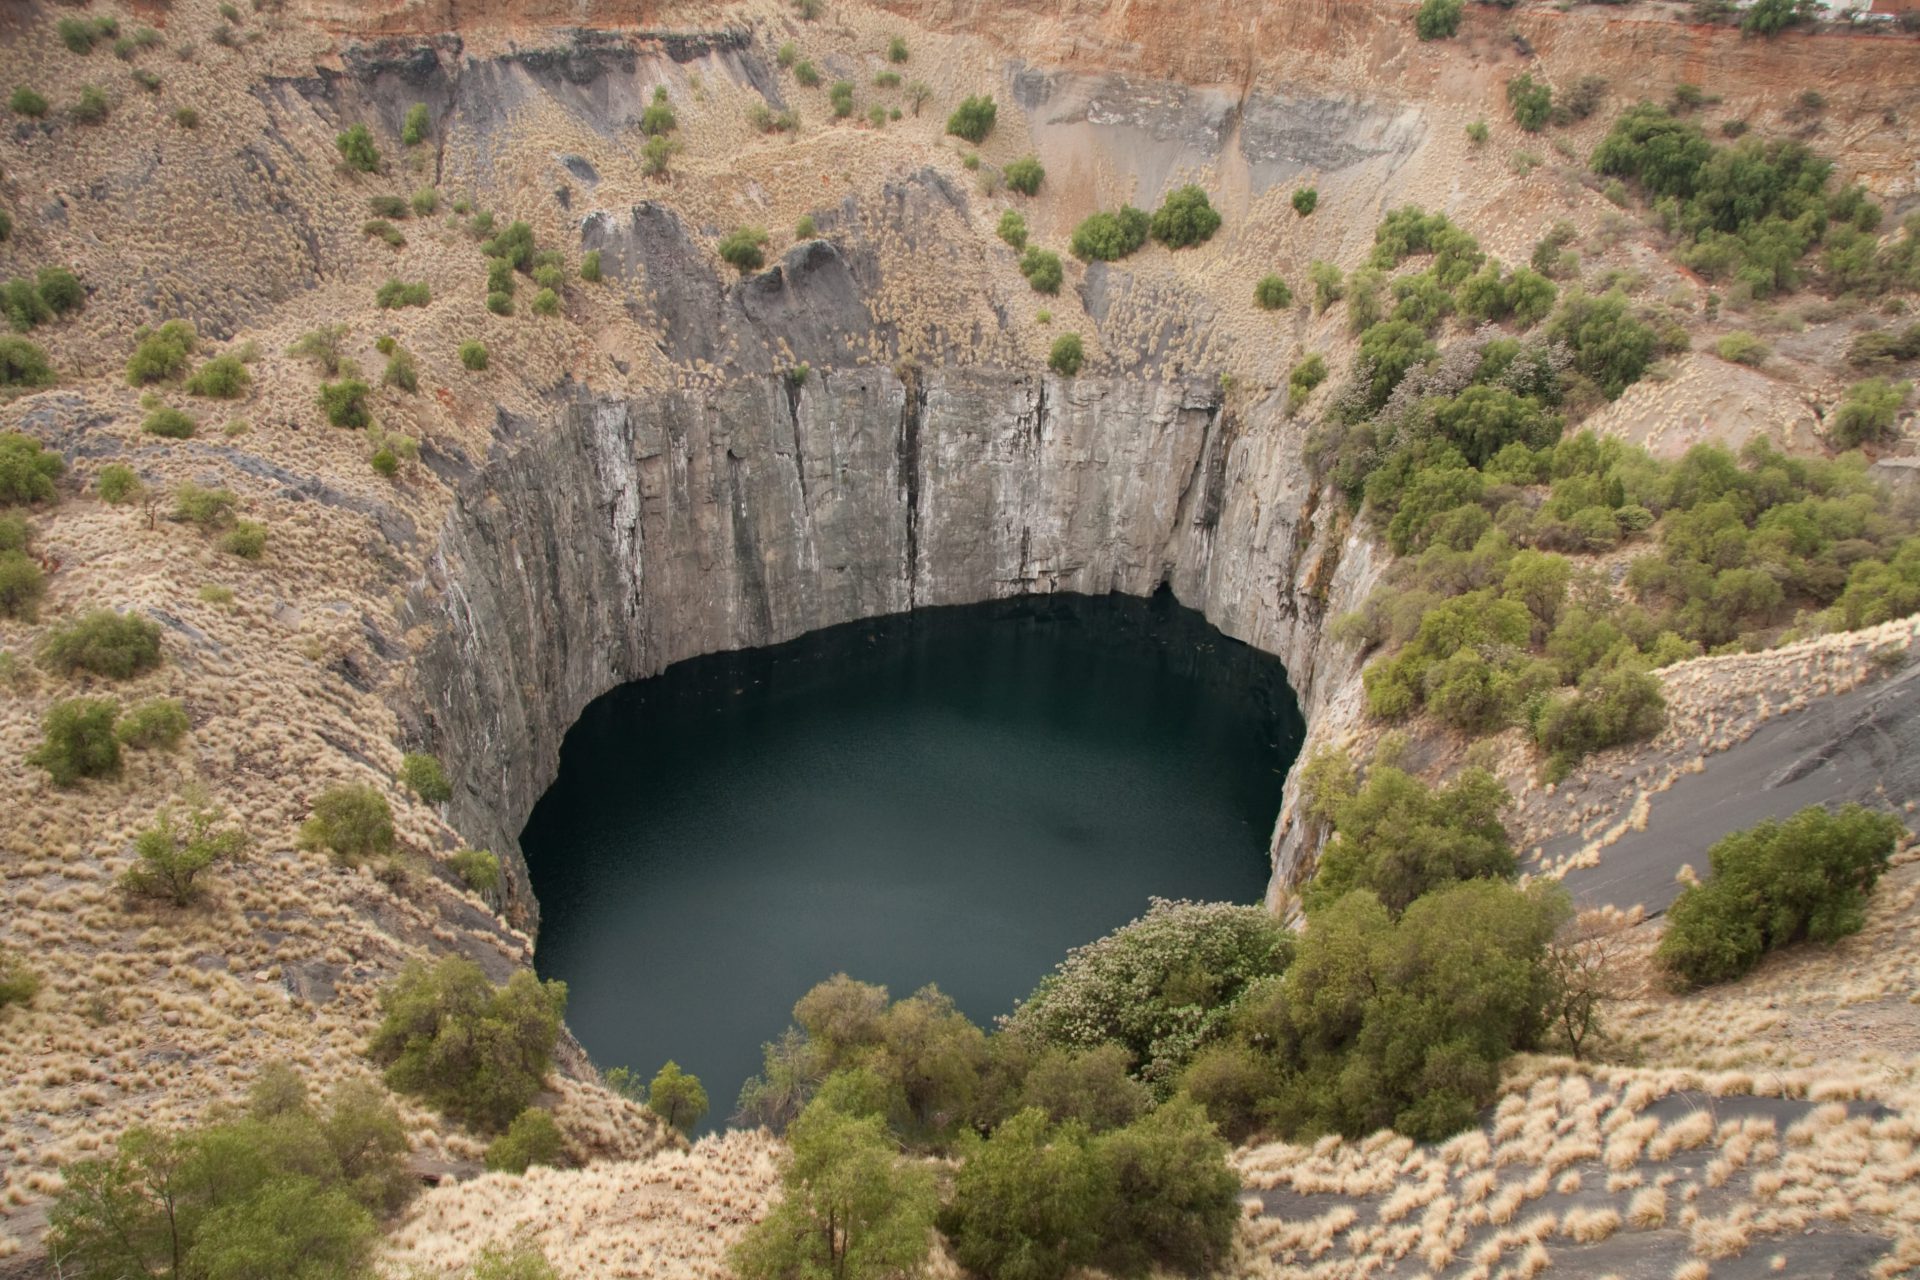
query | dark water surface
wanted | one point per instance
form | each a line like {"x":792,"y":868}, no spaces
{"x":953,"y":796}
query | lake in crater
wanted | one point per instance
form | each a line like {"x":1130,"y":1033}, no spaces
{"x":952,"y":796}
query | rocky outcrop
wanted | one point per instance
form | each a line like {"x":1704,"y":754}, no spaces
{"x":628,"y":534}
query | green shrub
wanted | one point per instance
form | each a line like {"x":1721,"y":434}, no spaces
{"x":401,"y":293}
{"x":590,"y":266}
{"x":1184,"y":218}
{"x":473,"y":356}
{"x":353,"y":822}
{"x":501,"y":304}
{"x":1304,"y":377}
{"x":1108,"y":237}
{"x":23,"y":364}
{"x":77,"y":34}
{"x":422,"y":774}
{"x":187,"y":118}
{"x":1437,"y":19}
{"x":1532,"y":102}
{"x":841,"y":96}
{"x":1271,"y":293}
{"x":479,"y":870}
{"x":1013,"y":229}
{"x":425,"y":202}
{"x":103,"y":643}
{"x":401,"y":371}
{"x":22,"y":585}
{"x":18,"y":983}
{"x":806,"y":73}
{"x":677,"y":1098}
{"x":1399,"y":839}
{"x":1616,"y":705}
{"x":385,"y":462}
{"x":221,"y":378}
{"x":1042,"y":269}
{"x":1159,"y":987}
{"x":59,"y":289}
{"x":1030,"y":1201}
{"x":546,"y":303}
{"x":277,"y":1188}
{"x":15,"y":533}
{"x":78,"y":742}
{"x":325,"y":346}
{"x":23,"y":306}
{"x":1868,"y":413}
{"x":1066,"y":356}
{"x":973,"y":119}
{"x":1742,"y":347}
{"x":533,"y":1138}
{"x":27,"y":471}
{"x":741,"y":249}
{"x":247,"y":539}
{"x":657,"y":154}
{"x":357,"y":149}
{"x":157,"y":722}
{"x":388,"y":206}
{"x":160,"y":354}
{"x":658,"y":118}
{"x":210,"y":509}
{"x":345,"y":402}
{"x":25,"y":102}
{"x":1477,"y":132}
{"x":419,"y":125}
{"x":475,"y":1051}
{"x":1770,"y":17}
{"x":117,"y":483}
{"x":1775,"y":884}
{"x":897,"y":49}
{"x":172,"y":857}
{"x":169,"y":423}
{"x":1025,"y":175}
{"x":1609,"y":345}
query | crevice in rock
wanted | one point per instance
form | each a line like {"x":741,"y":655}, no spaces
{"x":913,"y":407}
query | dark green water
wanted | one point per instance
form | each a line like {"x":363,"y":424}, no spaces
{"x":953,"y":796}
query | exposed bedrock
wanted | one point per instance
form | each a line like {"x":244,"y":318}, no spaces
{"x":627,"y":534}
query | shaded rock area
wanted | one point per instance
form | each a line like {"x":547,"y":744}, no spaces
{"x":1862,"y":746}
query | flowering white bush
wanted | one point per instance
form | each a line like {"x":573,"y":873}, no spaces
{"x":1162,"y":986}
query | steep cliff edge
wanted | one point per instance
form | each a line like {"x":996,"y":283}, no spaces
{"x":631,"y":532}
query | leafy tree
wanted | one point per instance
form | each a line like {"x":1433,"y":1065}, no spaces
{"x":1401,"y":839}
{"x":677,"y":1098}
{"x":78,"y":741}
{"x":1175,"y":1201}
{"x":1609,"y":345}
{"x":1030,"y":1201}
{"x":1184,"y":218}
{"x":1616,"y":704}
{"x":1775,"y":884}
{"x":475,"y":1051}
{"x":850,"y":1207}
{"x":160,"y":354}
{"x":418,"y":127}
{"x":1091,"y":1086}
{"x":533,"y":1138}
{"x":1868,"y":413}
{"x":1108,"y":237}
{"x":325,"y":346}
{"x":1389,"y":350}
{"x":1025,"y":175}
{"x":1066,"y":356}
{"x":23,"y":364}
{"x":973,"y":119}
{"x":792,"y":1068}
{"x":1437,"y":19}
{"x":1158,"y":987}
{"x":353,"y":822}
{"x":172,"y":858}
{"x":103,"y":643}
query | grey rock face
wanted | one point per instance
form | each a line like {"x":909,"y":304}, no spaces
{"x":630,"y":534}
